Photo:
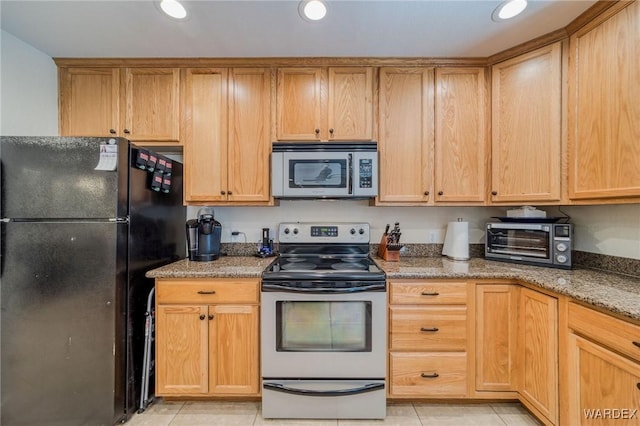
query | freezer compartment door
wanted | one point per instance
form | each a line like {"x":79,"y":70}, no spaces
{"x":323,"y":399}
{"x":55,"y":178}
{"x":63,"y":323}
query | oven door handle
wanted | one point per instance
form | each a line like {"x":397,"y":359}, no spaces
{"x":307,"y":290}
{"x":370,"y":387}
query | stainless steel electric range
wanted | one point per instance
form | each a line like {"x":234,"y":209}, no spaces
{"x":323,"y":325}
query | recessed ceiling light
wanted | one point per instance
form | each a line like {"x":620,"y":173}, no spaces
{"x":508,"y":9}
{"x":312,"y":10}
{"x":173,"y":8}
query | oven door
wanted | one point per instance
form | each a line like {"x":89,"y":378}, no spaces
{"x":339,"y":334}
{"x":317,"y":174}
{"x":519,"y":242}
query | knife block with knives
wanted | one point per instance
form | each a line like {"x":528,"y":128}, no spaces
{"x":389,"y":248}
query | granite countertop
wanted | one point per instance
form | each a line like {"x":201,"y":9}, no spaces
{"x":616,"y":293}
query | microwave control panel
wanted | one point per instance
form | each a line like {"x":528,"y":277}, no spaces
{"x":365,"y":165}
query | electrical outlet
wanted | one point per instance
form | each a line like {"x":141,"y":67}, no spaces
{"x":431,"y":236}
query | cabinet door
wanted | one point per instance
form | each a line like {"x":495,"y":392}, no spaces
{"x":526,"y":127}
{"x":604,"y":111}
{"x":89,"y":101}
{"x":538,"y":352}
{"x":151,"y":104}
{"x":205,"y":134}
{"x":605,"y":387}
{"x":496,"y":337}
{"x":350,"y":115}
{"x":249,"y":134}
{"x":181,"y":350}
{"x":300,"y":104}
{"x":406,"y":134}
{"x":234,"y":349}
{"x":460,"y":134}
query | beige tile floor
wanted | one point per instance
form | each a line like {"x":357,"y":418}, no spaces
{"x":221,"y":413}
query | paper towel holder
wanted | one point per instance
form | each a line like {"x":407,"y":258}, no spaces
{"x":456,"y":242}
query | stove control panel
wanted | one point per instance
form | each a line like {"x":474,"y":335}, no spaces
{"x":313,"y":232}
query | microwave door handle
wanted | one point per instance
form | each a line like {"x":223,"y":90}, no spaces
{"x":350,"y":173}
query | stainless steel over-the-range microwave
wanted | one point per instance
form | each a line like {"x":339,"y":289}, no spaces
{"x":324,"y":170}
{"x":546,"y":244}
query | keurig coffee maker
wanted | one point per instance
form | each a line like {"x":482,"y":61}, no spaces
{"x":203,"y":236}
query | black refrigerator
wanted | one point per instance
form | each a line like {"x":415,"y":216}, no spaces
{"x":81,"y":225}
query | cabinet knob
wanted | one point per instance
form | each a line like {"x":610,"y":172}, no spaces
{"x":317,"y":132}
{"x":494,"y":192}
{"x":433,"y":329}
{"x":210,"y":317}
{"x":127,"y":131}
{"x":229,"y":193}
{"x":429,"y":376}
{"x":331,"y":131}
{"x":112,"y":131}
{"x":637,"y":343}
{"x":202,"y":317}
{"x":638,"y":385}
{"x":440,"y":192}
{"x":426,"y":193}
{"x":223,"y":193}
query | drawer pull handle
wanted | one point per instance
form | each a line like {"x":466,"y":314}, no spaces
{"x":429,"y":329}
{"x":206,"y":292}
{"x":429,"y":376}
{"x":636,"y":343}
{"x":430,"y":293}
{"x":202,"y":317}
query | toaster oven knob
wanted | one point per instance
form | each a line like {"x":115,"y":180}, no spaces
{"x":561,"y":247}
{"x":561,"y":258}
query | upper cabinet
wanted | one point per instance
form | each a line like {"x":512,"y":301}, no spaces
{"x":226,"y":135}
{"x":527,"y":127}
{"x":406,"y":132}
{"x":604,"y":111}
{"x":324,"y":104}
{"x":140,"y":104}
{"x":460,"y":134}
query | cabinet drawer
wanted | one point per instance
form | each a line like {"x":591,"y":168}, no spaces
{"x":428,"y":328}
{"x":619,"y":335}
{"x":206,"y":291}
{"x":429,"y":374}
{"x":428,"y":292}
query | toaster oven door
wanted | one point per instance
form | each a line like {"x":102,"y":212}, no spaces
{"x":532,"y":243}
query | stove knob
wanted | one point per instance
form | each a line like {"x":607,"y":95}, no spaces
{"x":295,"y":231}
{"x":286,"y":231}
{"x":361,"y":231}
{"x":352,"y":231}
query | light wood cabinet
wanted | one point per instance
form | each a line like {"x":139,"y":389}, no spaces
{"x":140,"y":104}
{"x":604,"y":112}
{"x":460,"y":135}
{"x":406,"y":135}
{"x":496,"y":337}
{"x":316,"y":103}
{"x":207,"y":339}
{"x":526,"y":141}
{"x":537,"y":353}
{"x":428,"y":339}
{"x":89,"y":100}
{"x":603,"y":369}
{"x":226,"y":135}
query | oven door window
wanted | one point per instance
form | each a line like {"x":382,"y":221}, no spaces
{"x":520,"y":242}
{"x":315,"y":173}
{"x":323,"y":326}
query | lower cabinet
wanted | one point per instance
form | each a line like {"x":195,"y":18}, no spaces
{"x":603,"y":369}
{"x":428,"y":339}
{"x":207,"y":337}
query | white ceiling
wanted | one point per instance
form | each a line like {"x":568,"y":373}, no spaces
{"x":265,"y":28}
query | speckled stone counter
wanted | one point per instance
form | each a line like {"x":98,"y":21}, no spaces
{"x":224,"y":267}
{"x":616,"y":293}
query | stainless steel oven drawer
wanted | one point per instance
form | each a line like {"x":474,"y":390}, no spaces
{"x":323,"y":399}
